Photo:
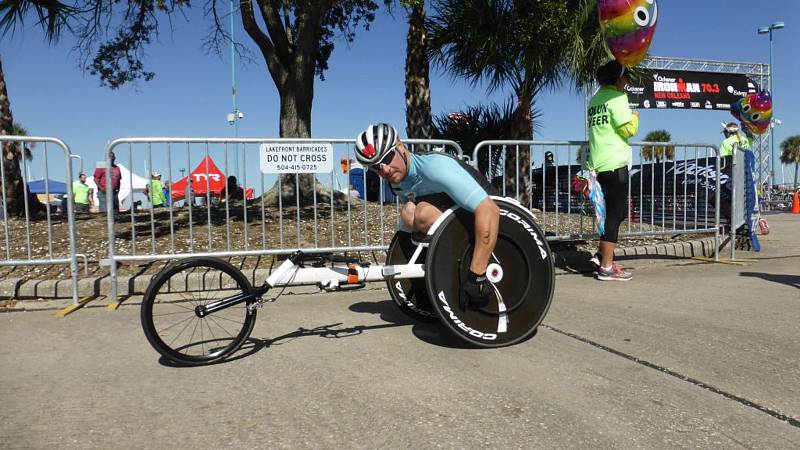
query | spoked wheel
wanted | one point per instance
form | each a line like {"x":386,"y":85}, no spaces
{"x":173,"y":316}
{"x":520,"y":270}
{"x":409,"y":294}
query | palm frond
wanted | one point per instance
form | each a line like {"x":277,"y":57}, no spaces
{"x":790,"y":150}
{"x":480,"y":123}
{"x":27,"y":149}
{"x":51,"y":15}
{"x":470,"y":39}
{"x":658,"y":152}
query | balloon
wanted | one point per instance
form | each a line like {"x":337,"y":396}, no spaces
{"x":628,"y":26}
{"x":754,"y":111}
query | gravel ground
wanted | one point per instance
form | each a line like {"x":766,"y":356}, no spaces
{"x":228,"y":232}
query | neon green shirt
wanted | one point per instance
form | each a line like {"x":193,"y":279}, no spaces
{"x":157,"y":193}
{"x":609,"y":118}
{"x":80,"y":193}
{"x":726,"y":148}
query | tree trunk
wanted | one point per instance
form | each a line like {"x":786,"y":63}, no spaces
{"x":295,"y":122}
{"x":518,"y":169}
{"x":418,"y":89}
{"x":290,"y":54}
{"x":296,"y":102}
{"x":14,"y":189}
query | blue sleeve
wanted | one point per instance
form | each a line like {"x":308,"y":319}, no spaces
{"x":457,"y":183}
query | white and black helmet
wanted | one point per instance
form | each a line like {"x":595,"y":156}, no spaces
{"x":374,"y":143}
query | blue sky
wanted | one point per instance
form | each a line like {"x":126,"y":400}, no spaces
{"x":190,"y":95}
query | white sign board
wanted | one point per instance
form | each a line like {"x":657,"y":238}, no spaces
{"x":296,"y":158}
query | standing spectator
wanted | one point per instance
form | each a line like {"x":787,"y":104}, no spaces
{"x":611,"y":124}
{"x":100,"y":181}
{"x":733,"y":137}
{"x":167,"y":197}
{"x":154,"y":190}
{"x":548,"y":159}
{"x":81,"y":194}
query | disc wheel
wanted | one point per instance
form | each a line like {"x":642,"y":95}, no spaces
{"x":520,"y":270}
{"x":409,"y":294}
{"x":169,"y":306}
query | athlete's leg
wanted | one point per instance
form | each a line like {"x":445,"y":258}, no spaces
{"x":428,"y":208}
{"x":419,"y":217}
{"x":425,"y":214}
{"x":407,"y":216}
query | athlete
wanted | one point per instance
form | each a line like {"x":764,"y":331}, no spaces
{"x":433,"y":182}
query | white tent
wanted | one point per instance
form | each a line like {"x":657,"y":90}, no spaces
{"x":129,"y":183}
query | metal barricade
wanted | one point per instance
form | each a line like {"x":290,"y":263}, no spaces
{"x":781,"y":197}
{"x":313,"y":213}
{"x":676,"y":193}
{"x":19,"y":250}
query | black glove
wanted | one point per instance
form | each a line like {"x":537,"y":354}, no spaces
{"x":477,"y":291}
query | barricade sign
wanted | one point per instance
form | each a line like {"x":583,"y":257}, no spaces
{"x":296,"y":158}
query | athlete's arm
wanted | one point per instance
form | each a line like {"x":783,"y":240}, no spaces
{"x":487,"y":219}
{"x":453,"y":180}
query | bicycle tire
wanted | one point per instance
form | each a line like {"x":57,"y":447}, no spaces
{"x":196,"y":277}
{"x":522,"y":268}
{"x":409,"y":294}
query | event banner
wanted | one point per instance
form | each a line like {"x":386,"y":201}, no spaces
{"x":674,"y":89}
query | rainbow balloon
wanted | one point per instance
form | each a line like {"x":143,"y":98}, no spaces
{"x":754,"y":111}
{"x":628,"y":26}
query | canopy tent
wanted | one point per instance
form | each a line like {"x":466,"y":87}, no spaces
{"x":53,"y":187}
{"x":206,"y":178}
{"x":130,"y":183}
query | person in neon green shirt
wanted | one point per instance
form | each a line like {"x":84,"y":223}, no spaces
{"x":155,"y":191}
{"x":81,"y":194}
{"x":733,"y":137}
{"x":611,"y":124}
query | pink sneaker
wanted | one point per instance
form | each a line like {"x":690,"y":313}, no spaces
{"x":612,"y":274}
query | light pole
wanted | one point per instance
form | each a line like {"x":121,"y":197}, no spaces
{"x":233,"y":117}
{"x":768,"y":30}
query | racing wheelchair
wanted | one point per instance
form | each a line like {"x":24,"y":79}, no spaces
{"x":187,"y":322}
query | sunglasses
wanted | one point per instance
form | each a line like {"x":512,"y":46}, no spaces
{"x":383,"y":162}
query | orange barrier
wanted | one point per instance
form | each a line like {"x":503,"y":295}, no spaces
{"x":796,"y":203}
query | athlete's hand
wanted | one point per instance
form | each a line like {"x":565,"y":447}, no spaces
{"x":477,"y":290}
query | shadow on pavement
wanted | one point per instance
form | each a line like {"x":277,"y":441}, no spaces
{"x":789,"y":280}
{"x":386,"y":309}
{"x":431,"y":333}
{"x":250,"y":347}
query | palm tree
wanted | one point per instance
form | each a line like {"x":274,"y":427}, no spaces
{"x":418,"y":88}
{"x":476,"y":124}
{"x":528,"y":46}
{"x":52,"y":17}
{"x":658,"y":152}
{"x":27,"y":148}
{"x":790,"y":153}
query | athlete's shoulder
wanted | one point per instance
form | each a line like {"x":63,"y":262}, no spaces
{"x":434,"y":159}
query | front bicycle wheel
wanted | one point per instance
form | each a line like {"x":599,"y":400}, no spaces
{"x":170,"y":306}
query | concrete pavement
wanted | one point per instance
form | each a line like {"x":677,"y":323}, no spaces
{"x":688,"y":354}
